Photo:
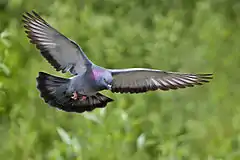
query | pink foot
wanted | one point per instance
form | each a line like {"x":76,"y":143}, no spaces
{"x":83,"y":98}
{"x":75,"y":96}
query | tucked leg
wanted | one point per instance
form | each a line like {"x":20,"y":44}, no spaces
{"x":83,"y":98}
{"x":75,"y":95}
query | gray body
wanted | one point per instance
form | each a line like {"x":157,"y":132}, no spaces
{"x":83,"y":84}
{"x":86,"y":83}
{"x":88,"y":79}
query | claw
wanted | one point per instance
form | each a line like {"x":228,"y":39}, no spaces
{"x":83,"y":98}
{"x":75,"y":96}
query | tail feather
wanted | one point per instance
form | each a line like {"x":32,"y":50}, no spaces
{"x":51,"y":88}
{"x":53,"y":91}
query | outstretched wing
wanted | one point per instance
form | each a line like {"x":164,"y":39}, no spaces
{"x":138,"y":80}
{"x":60,"y":52}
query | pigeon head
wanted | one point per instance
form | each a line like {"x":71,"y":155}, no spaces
{"x":103,"y":78}
{"x":107,"y":80}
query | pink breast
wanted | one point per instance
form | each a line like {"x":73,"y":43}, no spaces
{"x":95,"y":74}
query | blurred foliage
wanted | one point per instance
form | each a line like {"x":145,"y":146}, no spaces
{"x":199,"y":36}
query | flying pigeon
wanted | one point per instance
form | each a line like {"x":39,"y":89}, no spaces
{"x":80,"y":93}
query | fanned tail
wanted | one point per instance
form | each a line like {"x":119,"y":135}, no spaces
{"x":53,"y":91}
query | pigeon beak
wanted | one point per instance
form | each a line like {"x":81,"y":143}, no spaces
{"x":109,"y":86}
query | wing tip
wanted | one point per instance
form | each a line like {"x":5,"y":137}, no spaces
{"x":205,"y":78}
{"x":30,"y":14}
{"x":206,"y":75}
{"x":33,"y":16}
{"x":190,"y":81}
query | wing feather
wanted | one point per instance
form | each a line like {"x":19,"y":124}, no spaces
{"x":62,"y":53}
{"x":138,"y":80}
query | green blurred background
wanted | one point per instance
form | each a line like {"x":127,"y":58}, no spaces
{"x":201,"y":36}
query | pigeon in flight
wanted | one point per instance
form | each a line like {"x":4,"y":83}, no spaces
{"x":80,"y":93}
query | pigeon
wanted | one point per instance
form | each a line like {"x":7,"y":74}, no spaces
{"x":81,"y":92}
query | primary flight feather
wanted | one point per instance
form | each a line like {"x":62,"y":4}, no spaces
{"x":81,"y":92}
